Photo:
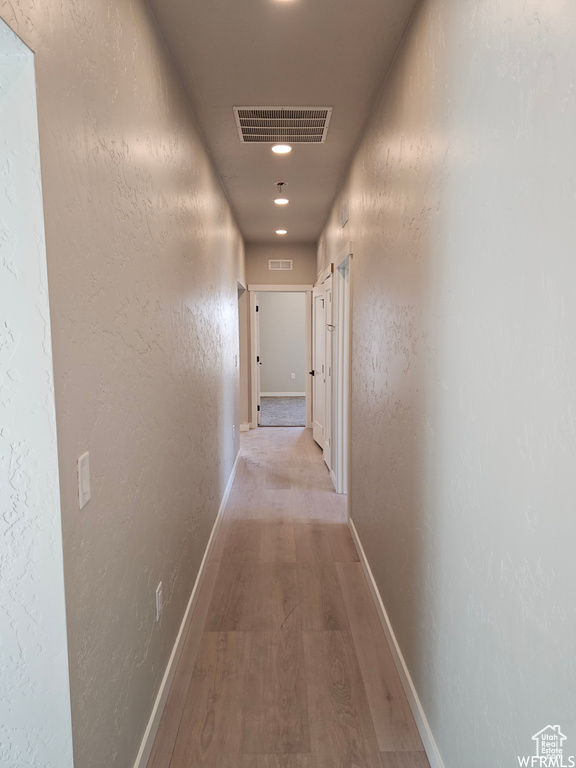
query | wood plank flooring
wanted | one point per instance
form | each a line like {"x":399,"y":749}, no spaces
{"x":285,"y":664}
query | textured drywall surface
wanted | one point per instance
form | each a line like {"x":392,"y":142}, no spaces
{"x":303,"y":270}
{"x":35,"y":727}
{"x":461,"y":216}
{"x":143,"y":263}
{"x":282,"y":341}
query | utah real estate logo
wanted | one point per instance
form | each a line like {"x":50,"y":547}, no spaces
{"x":549,"y":750}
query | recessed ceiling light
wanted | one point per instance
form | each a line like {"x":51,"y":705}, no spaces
{"x":281,"y":149}
{"x":280,"y":200}
{"x":281,"y":231}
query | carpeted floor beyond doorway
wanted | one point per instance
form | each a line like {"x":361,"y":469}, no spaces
{"x":282,"y":411}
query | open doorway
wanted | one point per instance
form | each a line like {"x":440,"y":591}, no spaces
{"x":280,"y":341}
{"x":282,"y":362}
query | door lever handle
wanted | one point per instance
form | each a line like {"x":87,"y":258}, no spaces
{"x":311,"y":373}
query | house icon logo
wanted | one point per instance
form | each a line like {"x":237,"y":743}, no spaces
{"x":549,"y":741}
{"x":549,"y":750}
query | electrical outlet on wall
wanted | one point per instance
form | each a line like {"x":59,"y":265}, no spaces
{"x":159,"y":601}
{"x":292,"y":375}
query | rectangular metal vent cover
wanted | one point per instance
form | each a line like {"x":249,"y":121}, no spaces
{"x":282,"y":264}
{"x":294,"y":125}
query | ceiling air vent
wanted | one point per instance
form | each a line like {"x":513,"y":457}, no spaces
{"x":293,"y":125}
{"x":279,"y":264}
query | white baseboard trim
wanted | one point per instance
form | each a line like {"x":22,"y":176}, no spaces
{"x":282,"y":394}
{"x":158,"y":708}
{"x":244,"y":427}
{"x":422,"y":724}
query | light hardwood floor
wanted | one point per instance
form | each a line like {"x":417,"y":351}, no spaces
{"x":285,"y":664}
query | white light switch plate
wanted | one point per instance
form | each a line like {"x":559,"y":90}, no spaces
{"x":159,"y":601}
{"x":84,"y":479}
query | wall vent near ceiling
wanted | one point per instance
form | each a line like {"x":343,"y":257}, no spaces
{"x":295,"y":125}
{"x":279,"y":264}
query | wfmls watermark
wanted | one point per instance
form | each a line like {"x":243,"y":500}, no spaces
{"x":550,"y":752}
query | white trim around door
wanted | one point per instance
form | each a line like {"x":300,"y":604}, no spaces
{"x":254,"y":380}
{"x":342,"y":318}
{"x":254,"y":352}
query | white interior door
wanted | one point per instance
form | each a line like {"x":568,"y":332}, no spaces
{"x":341,"y":362}
{"x":318,"y":369}
{"x":328,"y":367}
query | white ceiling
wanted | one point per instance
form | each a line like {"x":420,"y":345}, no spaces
{"x":282,"y":53}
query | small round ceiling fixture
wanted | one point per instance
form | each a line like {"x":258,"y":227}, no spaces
{"x":281,"y":200}
{"x":281,"y":231}
{"x":281,"y":149}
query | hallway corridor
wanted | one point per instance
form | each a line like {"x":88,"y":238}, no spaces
{"x":285,"y":664}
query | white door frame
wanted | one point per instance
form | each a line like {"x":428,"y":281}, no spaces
{"x":342,"y":319}
{"x":319,"y":366}
{"x":254,"y":363}
{"x":254,"y":290}
{"x":32,"y":559}
{"x":328,"y":355}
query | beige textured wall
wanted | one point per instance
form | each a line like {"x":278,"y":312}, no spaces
{"x":282,"y":341}
{"x":304,"y":264}
{"x":462,"y":225}
{"x":143,"y":261}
